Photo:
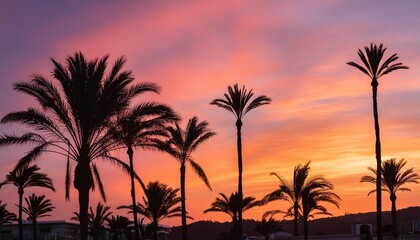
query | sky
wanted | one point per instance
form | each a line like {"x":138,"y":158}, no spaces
{"x":294,"y":52}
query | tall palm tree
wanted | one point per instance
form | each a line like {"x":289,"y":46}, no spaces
{"x":231,"y":206}
{"x":292,"y":192}
{"x":312,"y":198}
{"x":118,"y":226}
{"x":6,"y":216}
{"x":142,"y":126}
{"x":24,"y":176}
{"x":393,"y":179}
{"x":37,"y":207}
{"x":238,"y":102}
{"x":77,"y":106}
{"x":375,"y":69}
{"x":160,"y":202}
{"x":180,"y":145}
{"x":267,"y":227}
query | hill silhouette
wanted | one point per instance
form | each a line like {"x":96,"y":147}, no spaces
{"x":209,"y":230}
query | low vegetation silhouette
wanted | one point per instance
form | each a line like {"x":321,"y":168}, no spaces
{"x":267,"y":227}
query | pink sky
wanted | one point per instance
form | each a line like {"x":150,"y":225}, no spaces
{"x":292,"y":51}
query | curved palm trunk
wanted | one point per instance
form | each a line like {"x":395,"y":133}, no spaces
{"x":378,"y":160}
{"x":183,"y":207}
{"x":239,"y":147}
{"x":20,"y":192}
{"x":393,"y":198}
{"x":130,"y":153}
{"x":305,"y":228}
{"x":295,"y":219}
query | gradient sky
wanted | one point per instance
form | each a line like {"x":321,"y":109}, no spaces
{"x":292,"y":51}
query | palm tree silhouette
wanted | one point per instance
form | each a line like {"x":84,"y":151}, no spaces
{"x":312,"y":197}
{"x":374,"y":69}
{"x":6,"y":216}
{"x":231,"y":206}
{"x":97,"y":219}
{"x":118,"y":226}
{"x":160,"y":202}
{"x":180,"y":145}
{"x":267,"y":227}
{"x":238,"y":102}
{"x":37,"y":207}
{"x":142,"y":126}
{"x":393,"y":178}
{"x":292,"y":192}
{"x":78,"y":105}
{"x":24,"y":176}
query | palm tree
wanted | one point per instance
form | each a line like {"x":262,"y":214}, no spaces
{"x":78,"y":105}
{"x":267,"y":227}
{"x":6,"y":216}
{"x":161,"y":202}
{"x":180,"y":145}
{"x":142,"y":126}
{"x":375,"y":69}
{"x":118,"y":226}
{"x":231,"y":206}
{"x":96,"y":219}
{"x":238,"y":102}
{"x":311,"y":203}
{"x":393,"y":179}
{"x":24,"y":176}
{"x":37,"y":207}
{"x":292,"y":192}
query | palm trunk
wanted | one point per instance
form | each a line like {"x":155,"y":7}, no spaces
{"x":34,"y":229}
{"x":378,"y":160}
{"x":305,"y":228}
{"x":155,"y":229}
{"x":235,"y":227}
{"x":183,"y":207}
{"x":83,"y":181}
{"x":393,"y":198}
{"x":20,"y":192}
{"x":295,"y":219}
{"x":239,"y":147}
{"x":130,"y":153}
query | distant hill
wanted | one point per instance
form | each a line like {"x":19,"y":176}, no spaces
{"x":209,"y":230}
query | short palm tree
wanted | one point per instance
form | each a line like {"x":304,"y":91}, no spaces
{"x":24,"y":176}
{"x":6,"y":216}
{"x":374,"y":69}
{"x":180,"y":145}
{"x":231,"y":206}
{"x":118,"y":226}
{"x":97,"y":219}
{"x":159,"y":203}
{"x":37,"y":207}
{"x":292,"y":192}
{"x":312,"y":198}
{"x":76,"y":109}
{"x":393,"y":180}
{"x":142,"y":126}
{"x":238,"y":102}
{"x":267,"y":227}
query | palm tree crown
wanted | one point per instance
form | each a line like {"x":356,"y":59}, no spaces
{"x":37,"y":207}
{"x":6,"y":216}
{"x":267,"y":227}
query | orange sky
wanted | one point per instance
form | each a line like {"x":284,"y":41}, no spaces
{"x":292,"y":51}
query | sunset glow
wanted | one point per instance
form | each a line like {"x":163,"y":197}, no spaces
{"x":294,"y":52}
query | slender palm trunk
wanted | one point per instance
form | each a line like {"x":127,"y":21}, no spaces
{"x":34,"y":229}
{"x":239,"y":146}
{"x":20,"y":192}
{"x":183,"y":207}
{"x":378,"y":160}
{"x":393,"y":198}
{"x":235,"y":227}
{"x":155,"y":230}
{"x":130,"y":153}
{"x":295,"y":219}
{"x":83,"y":181}
{"x":305,"y":228}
